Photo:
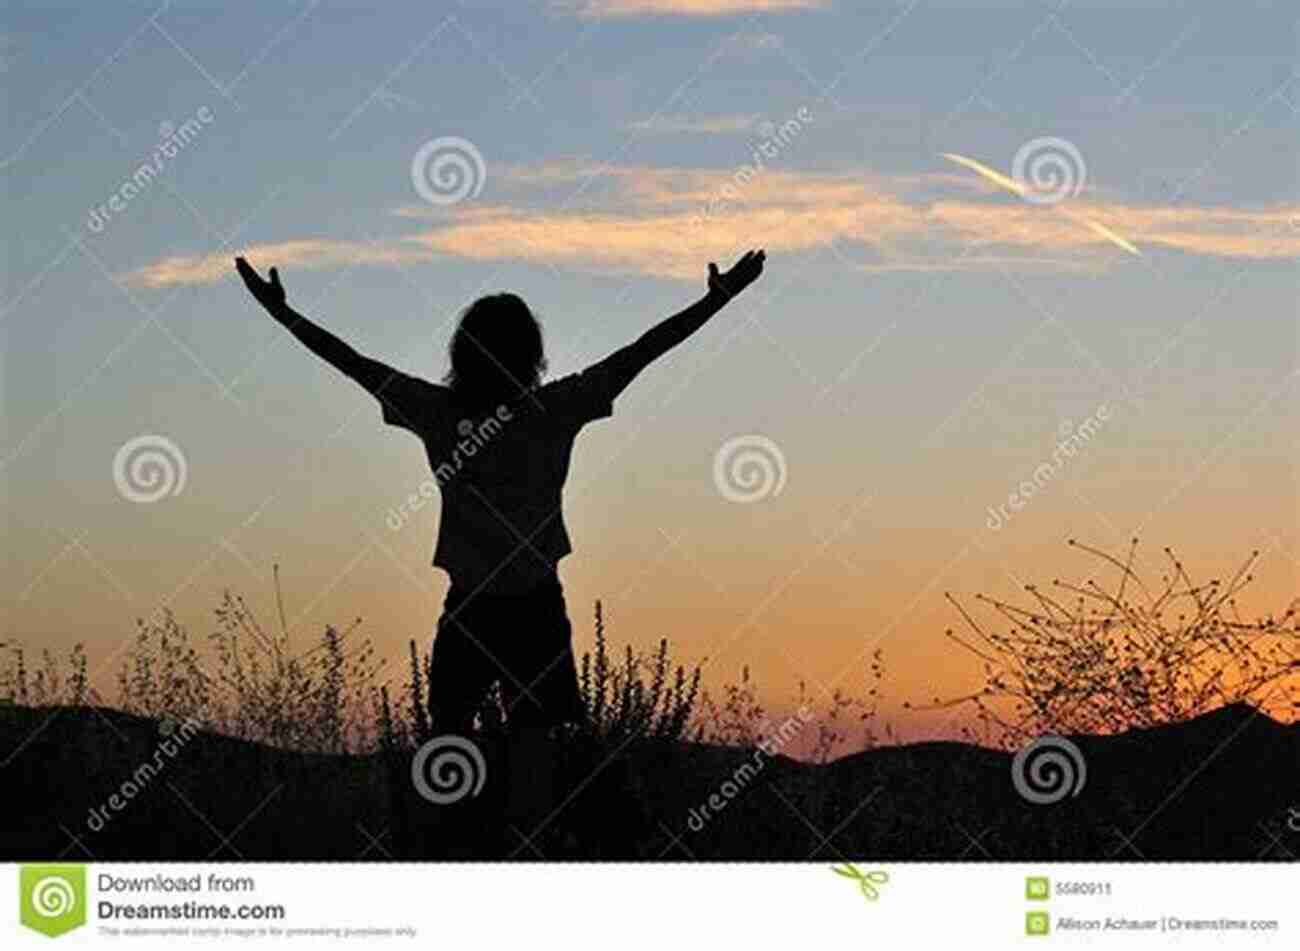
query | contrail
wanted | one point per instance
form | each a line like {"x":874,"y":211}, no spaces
{"x":997,"y":178}
{"x":1017,"y":188}
{"x":1105,"y":232}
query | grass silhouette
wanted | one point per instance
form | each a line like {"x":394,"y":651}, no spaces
{"x":307,"y":750}
{"x":1098,"y":658}
{"x":251,"y":684}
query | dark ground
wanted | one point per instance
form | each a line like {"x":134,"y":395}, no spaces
{"x":1223,"y":786}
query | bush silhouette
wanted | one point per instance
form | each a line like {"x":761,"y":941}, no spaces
{"x":1103,"y":658}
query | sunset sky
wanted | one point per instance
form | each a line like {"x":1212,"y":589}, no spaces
{"x":919,"y":345}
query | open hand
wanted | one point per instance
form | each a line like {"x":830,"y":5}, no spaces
{"x":269,"y":294}
{"x":743,"y":273}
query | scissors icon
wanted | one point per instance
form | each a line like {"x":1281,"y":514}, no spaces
{"x":867,"y":881}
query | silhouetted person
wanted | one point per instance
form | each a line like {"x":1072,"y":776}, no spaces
{"x":498,"y":442}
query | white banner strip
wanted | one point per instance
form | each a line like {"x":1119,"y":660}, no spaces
{"x":647,"y":906}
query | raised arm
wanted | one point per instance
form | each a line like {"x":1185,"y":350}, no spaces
{"x":621,"y":367}
{"x":371,"y":374}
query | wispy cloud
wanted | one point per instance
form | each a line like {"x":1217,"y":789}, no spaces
{"x":686,"y":8}
{"x":669,"y":222}
{"x":695,"y":125}
{"x":308,"y":254}
{"x":983,"y":262}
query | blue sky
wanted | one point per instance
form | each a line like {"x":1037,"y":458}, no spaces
{"x":919,"y":338}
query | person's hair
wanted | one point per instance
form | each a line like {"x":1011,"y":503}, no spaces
{"x":496,"y":351}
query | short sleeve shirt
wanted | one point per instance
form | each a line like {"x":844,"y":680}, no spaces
{"x":501,"y":472}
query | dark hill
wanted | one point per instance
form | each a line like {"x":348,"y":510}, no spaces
{"x":1223,"y":786}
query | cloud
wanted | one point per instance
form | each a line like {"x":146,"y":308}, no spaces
{"x":307,"y":254}
{"x":700,"y":125}
{"x":983,"y":262}
{"x":670,"y":222}
{"x":1214,"y":231}
{"x":669,"y":244}
{"x":685,"y":8}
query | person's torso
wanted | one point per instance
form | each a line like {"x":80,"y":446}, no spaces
{"x":501,"y":473}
